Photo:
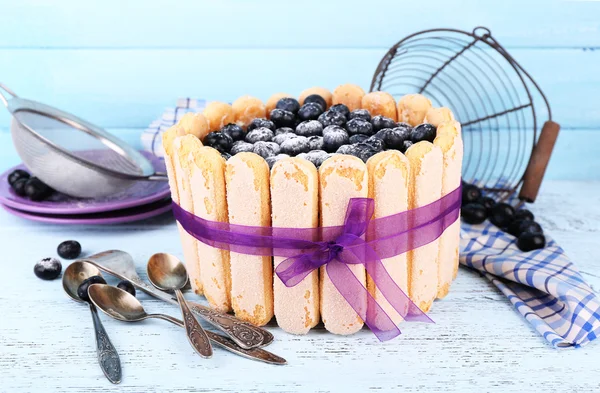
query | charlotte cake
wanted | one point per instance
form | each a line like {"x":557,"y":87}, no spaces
{"x":385,"y":153}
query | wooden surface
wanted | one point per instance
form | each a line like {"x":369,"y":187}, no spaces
{"x":478,"y":344}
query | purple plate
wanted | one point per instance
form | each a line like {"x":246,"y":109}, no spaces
{"x":141,"y":193}
{"x":112,"y":217}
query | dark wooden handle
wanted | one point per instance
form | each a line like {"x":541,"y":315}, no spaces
{"x":538,"y":162}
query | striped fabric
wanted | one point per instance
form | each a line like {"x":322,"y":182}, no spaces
{"x":543,"y":285}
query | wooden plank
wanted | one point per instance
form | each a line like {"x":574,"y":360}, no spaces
{"x":130,"y":88}
{"x":277,"y":24}
{"x":479,"y":343}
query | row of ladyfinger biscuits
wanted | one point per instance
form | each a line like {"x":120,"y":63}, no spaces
{"x":413,"y":109}
{"x":244,"y":282}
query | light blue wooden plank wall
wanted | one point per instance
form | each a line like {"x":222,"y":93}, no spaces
{"x":119,"y":63}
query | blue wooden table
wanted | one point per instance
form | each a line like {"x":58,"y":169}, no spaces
{"x":119,"y":64}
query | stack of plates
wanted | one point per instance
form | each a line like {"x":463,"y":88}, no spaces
{"x":143,"y":200}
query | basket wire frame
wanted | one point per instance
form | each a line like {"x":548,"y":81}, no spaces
{"x":488,"y":91}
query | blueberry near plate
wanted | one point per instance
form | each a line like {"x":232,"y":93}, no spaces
{"x":69,"y":249}
{"x":82,"y":291}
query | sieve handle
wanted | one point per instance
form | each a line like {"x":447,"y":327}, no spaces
{"x":532,"y":179}
{"x":158,"y":176}
{"x":3,"y":91}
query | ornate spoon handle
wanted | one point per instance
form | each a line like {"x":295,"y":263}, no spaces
{"x":196,"y":335}
{"x":107,"y":354}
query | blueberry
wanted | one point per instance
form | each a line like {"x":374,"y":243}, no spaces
{"x":259,"y":134}
{"x":82,"y":291}
{"x":219,"y":141}
{"x":347,"y":149}
{"x":235,"y":132}
{"x":309,"y":128}
{"x":364,"y":151}
{"x":17,"y":174}
{"x":473,"y":213}
{"x":47,"y":268}
{"x":316,"y":99}
{"x":241,"y":146}
{"x":283,"y":118}
{"x":360,"y":114}
{"x":261,"y":122}
{"x":36,"y":190}
{"x":470,"y":193}
{"x":403,"y":125}
{"x":334,"y":137}
{"x":423,"y":132}
{"x":272,"y":160}
{"x":340,"y":108}
{"x":524,"y":214}
{"x":226,"y":156}
{"x":127,"y":286}
{"x":295,"y":146}
{"x":288,"y":104}
{"x":358,"y":138}
{"x":315,"y":142}
{"x":375,"y":143}
{"x":266,"y":149}
{"x":531,"y":241}
{"x":405,"y":146}
{"x":69,"y":249}
{"x":394,"y":138}
{"x":310,"y":111}
{"x":279,"y":139}
{"x":19,"y":186}
{"x":380,"y":122}
{"x":332,"y":118}
{"x":501,"y":215}
{"x":317,"y":157}
{"x":520,"y":226}
{"x":487,"y":202}
{"x":359,"y":126}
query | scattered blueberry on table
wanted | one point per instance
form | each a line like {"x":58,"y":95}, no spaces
{"x":47,"y":268}
{"x":127,"y":286}
{"x":69,"y":249}
{"x":519,"y":223}
{"x":82,"y":291}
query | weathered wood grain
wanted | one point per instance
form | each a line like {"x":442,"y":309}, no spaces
{"x":479,"y":343}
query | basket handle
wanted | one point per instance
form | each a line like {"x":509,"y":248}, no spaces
{"x":532,"y":179}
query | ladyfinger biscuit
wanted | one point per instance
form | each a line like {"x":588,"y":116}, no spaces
{"x":449,"y":140}
{"x":218,"y":114}
{"x":349,"y":95}
{"x":195,"y":124}
{"x":426,"y":171}
{"x":248,"y":200}
{"x":295,"y":204}
{"x":323,"y":92}
{"x":412,"y":109}
{"x":437,"y":116}
{"x":272,"y":102}
{"x":341,"y":178}
{"x":206,"y":169}
{"x":182,"y":146}
{"x":246,"y":109}
{"x":380,"y":103}
{"x":389,"y":175}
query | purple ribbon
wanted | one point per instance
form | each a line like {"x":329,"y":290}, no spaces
{"x":360,"y":240}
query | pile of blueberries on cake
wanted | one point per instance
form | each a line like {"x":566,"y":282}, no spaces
{"x":314,"y":133}
{"x":520,"y":223}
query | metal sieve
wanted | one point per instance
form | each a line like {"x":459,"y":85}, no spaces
{"x":70,"y":154}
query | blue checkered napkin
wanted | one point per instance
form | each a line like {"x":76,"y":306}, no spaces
{"x":151,"y":137}
{"x":543,"y":285}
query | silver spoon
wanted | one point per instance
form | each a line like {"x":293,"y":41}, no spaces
{"x":108,"y":357}
{"x":123,"y":306}
{"x":120,"y":264}
{"x":167,"y":273}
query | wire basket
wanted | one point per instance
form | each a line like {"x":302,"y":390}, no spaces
{"x":497,"y":102}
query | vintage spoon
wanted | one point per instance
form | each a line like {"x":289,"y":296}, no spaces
{"x":167,"y":273}
{"x":108,"y":357}
{"x":123,"y":306}
{"x":120,"y":264}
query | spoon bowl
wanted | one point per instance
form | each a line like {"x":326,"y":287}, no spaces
{"x":75,"y":274}
{"x":167,"y":272}
{"x":117,"y":303}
